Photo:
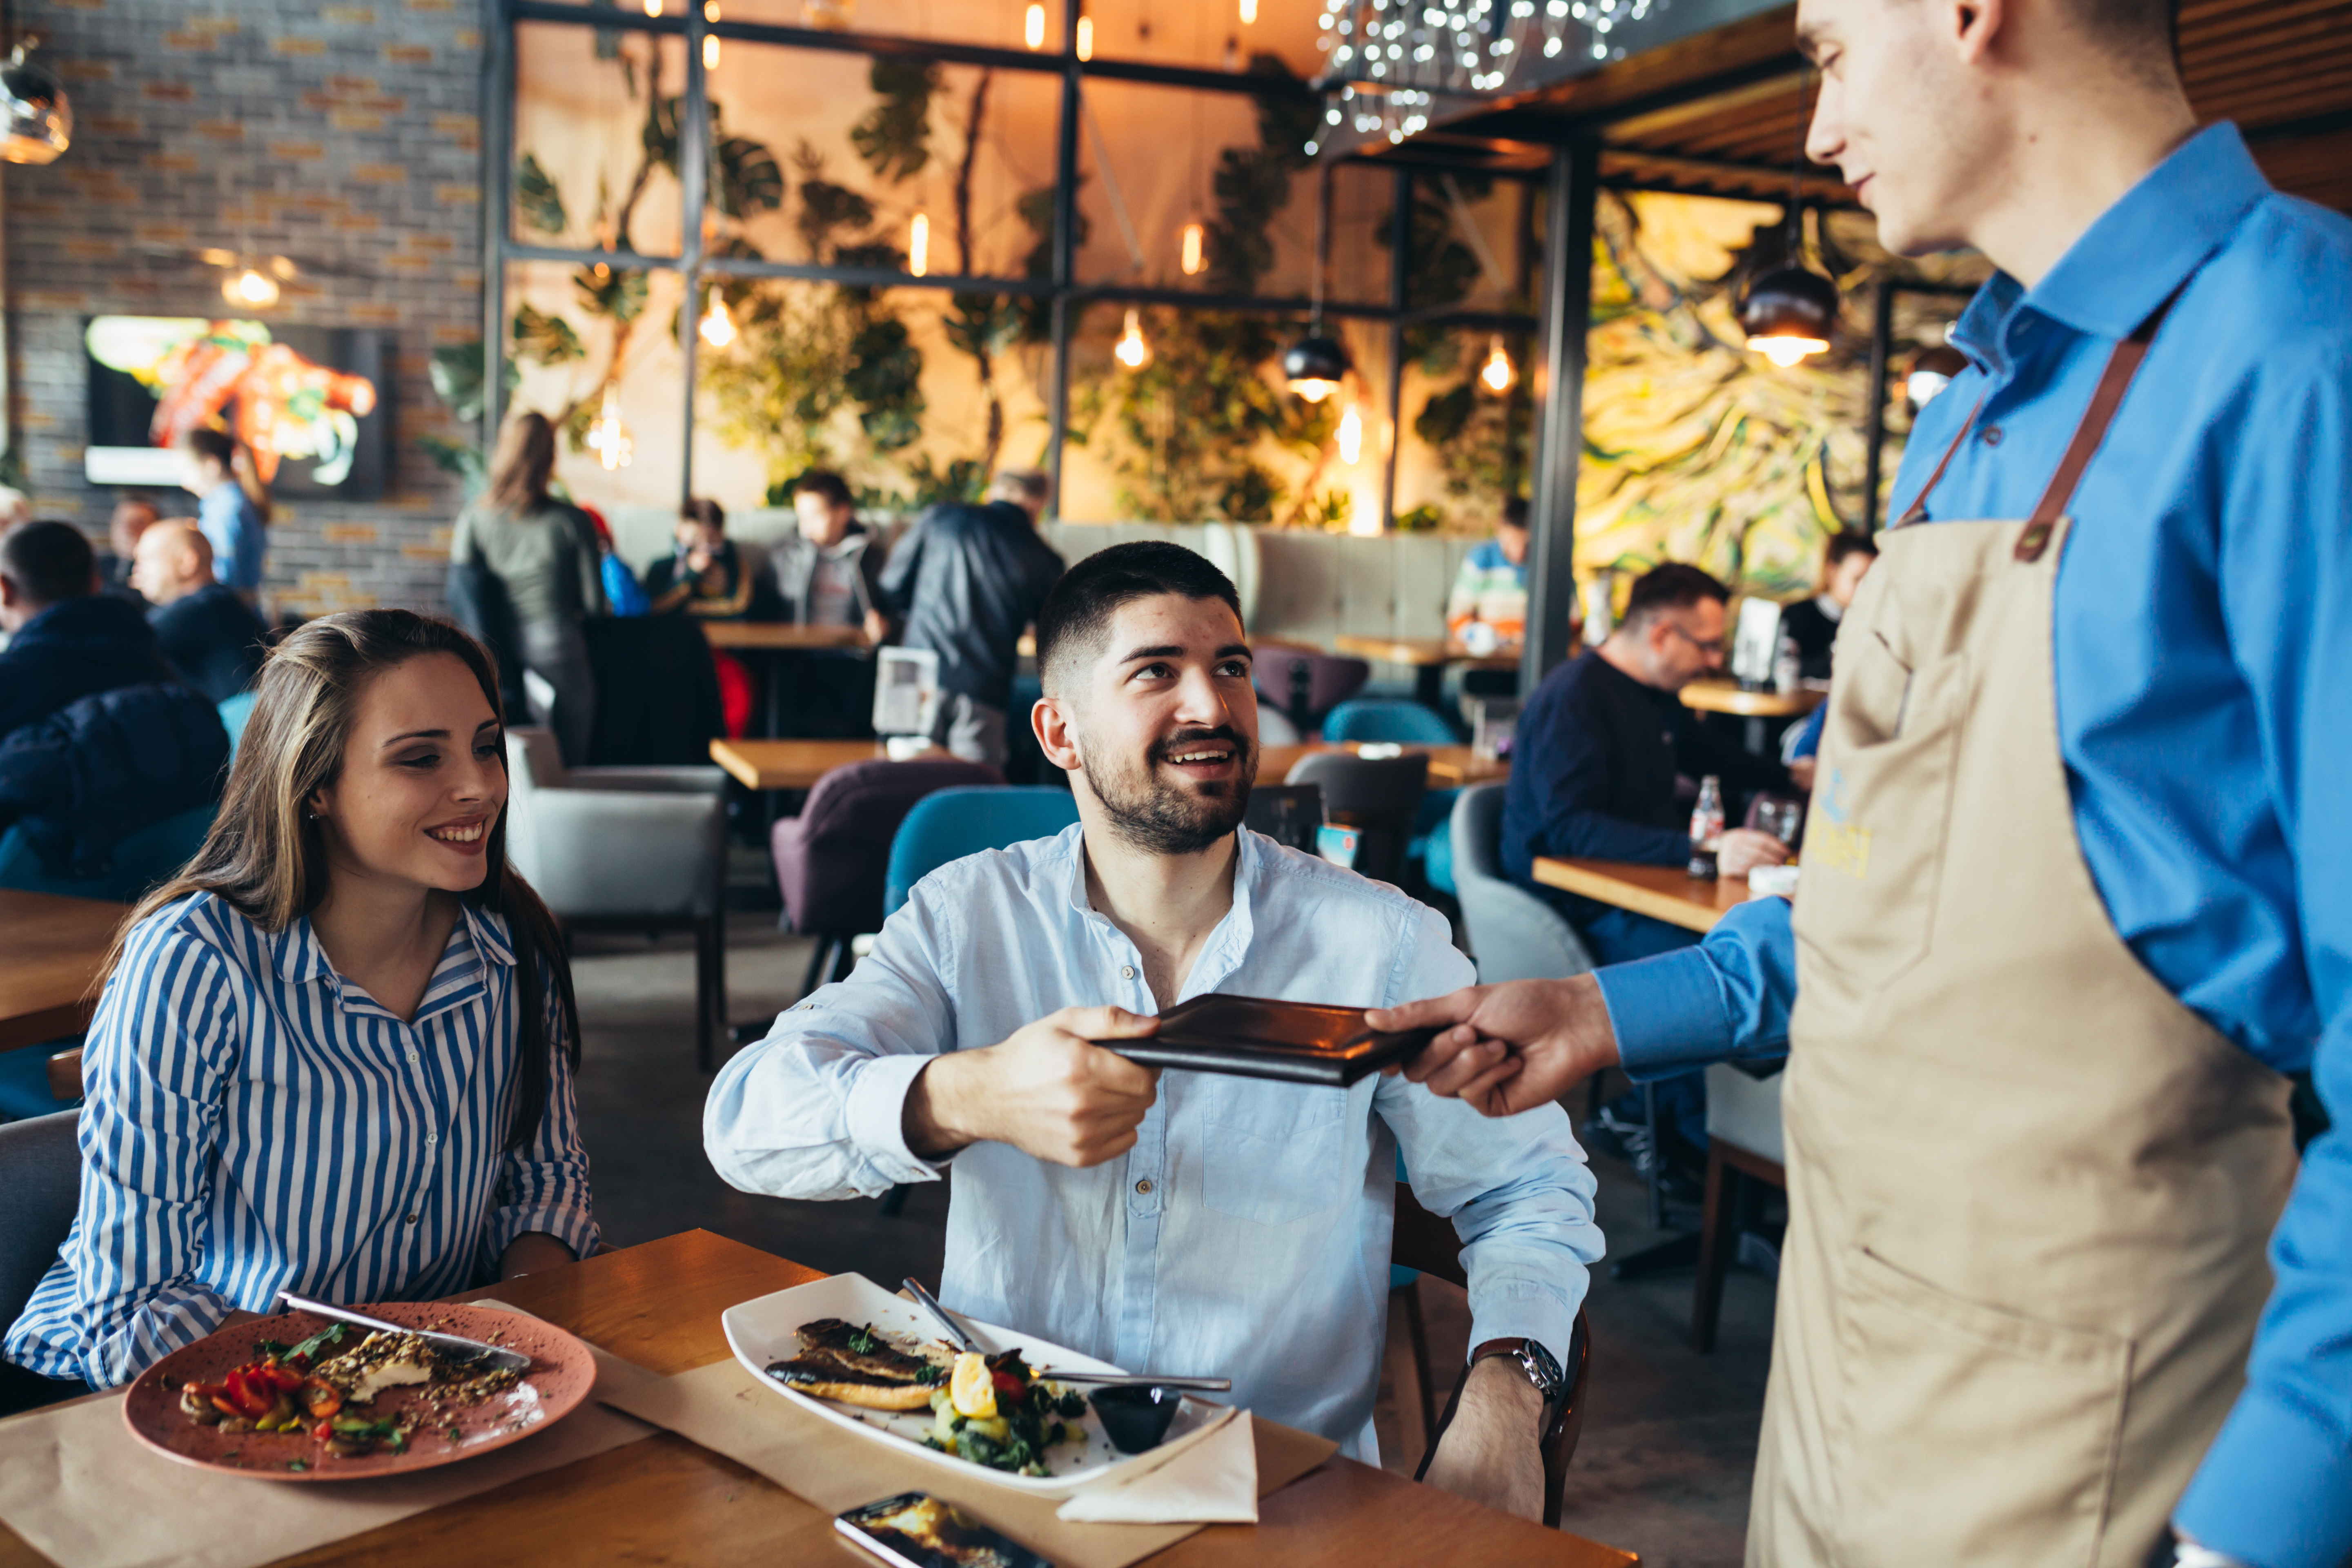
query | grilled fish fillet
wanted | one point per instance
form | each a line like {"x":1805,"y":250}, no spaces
{"x":882,"y":1377}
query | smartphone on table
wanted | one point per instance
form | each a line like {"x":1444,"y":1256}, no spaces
{"x":914,"y":1529}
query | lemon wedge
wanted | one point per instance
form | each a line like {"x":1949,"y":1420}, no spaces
{"x":971,"y":1387}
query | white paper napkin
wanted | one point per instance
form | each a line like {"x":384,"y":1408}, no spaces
{"x":1213,"y":1482}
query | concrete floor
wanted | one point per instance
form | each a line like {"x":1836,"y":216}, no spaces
{"x":1670,"y":1437}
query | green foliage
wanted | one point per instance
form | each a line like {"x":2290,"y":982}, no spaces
{"x":884,"y":380}
{"x":1480,"y":440}
{"x":1252,"y":184}
{"x":542,"y":339}
{"x":1035,"y":210}
{"x":1328,"y":512}
{"x":538,"y":201}
{"x":962,"y":479}
{"x":1182,"y":428}
{"x":825,"y":207}
{"x":745,"y":178}
{"x":1423,"y":519}
{"x":895,"y":136}
{"x":617,"y":294}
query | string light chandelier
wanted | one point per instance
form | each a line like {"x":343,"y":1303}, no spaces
{"x":40,"y":119}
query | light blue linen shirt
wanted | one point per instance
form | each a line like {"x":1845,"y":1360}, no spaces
{"x":2201,"y":643}
{"x":1246,"y":1234}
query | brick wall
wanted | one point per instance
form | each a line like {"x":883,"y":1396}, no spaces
{"x":345,"y":133}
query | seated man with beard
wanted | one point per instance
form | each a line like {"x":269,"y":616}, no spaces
{"x":1178,"y":1222}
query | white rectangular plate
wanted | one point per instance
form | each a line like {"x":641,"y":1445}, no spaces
{"x":766,"y":1331}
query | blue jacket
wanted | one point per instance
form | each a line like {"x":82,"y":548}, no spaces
{"x":72,"y":649}
{"x":103,"y":767}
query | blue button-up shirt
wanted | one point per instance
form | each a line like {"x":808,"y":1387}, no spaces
{"x":1246,"y":1234}
{"x":257,"y":1123}
{"x":2203,"y":660}
{"x":233,"y":527}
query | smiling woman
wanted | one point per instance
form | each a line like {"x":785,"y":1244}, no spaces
{"x":335,"y":1053}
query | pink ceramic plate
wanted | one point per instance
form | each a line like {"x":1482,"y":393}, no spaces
{"x":562,"y":1372}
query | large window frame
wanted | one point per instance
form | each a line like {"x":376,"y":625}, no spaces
{"x":1063,"y":289}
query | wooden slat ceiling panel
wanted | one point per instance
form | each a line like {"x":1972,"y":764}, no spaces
{"x":2259,"y":62}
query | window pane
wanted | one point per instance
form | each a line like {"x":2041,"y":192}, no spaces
{"x":914,"y":394}
{"x":594,"y":137}
{"x":1204,"y":429}
{"x":1466,"y":438}
{"x":838,"y":169}
{"x":573,"y":337}
{"x":1155,"y":161}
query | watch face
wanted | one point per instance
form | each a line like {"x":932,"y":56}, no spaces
{"x":1554,"y":1379}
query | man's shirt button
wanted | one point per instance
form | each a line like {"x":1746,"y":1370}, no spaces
{"x":1992,"y":435}
{"x":1126,"y":971}
{"x":408,"y":1219}
{"x":1144,"y":1186}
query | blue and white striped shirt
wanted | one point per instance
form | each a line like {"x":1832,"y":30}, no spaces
{"x":256,"y":1122}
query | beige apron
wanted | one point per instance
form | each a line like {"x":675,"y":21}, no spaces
{"x":2029,"y":1191}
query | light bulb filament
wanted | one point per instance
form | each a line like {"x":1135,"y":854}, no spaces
{"x":919,"y":244}
{"x":1033,"y":27}
{"x":1196,"y":240}
{"x":1498,"y":372}
{"x":1085,"y":37}
{"x":1132,"y":350}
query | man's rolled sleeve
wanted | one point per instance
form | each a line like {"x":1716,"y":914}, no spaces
{"x":1728,"y":997}
{"x":815,"y":1111}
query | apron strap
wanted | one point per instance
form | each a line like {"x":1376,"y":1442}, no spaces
{"x":2122,"y":366}
{"x":1918,"y":513}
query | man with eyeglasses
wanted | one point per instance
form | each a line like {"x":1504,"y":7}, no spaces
{"x":1606,"y":767}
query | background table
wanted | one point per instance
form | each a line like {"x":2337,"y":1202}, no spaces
{"x":1756,"y":706}
{"x":665,"y":1500}
{"x":51,"y":949}
{"x":1450,"y":767}
{"x":782,"y":635}
{"x":798,"y":764}
{"x":1426,"y":656}
{"x":1662,"y":892}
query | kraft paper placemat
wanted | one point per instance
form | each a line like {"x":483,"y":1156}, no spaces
{"x":723,"y":1408}
{"x":85,"y":1494}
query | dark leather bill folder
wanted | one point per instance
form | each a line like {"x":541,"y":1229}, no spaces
{"x":1297,"y":1042}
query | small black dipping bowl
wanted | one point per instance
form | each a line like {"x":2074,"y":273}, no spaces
{"x":1135,"y":1416}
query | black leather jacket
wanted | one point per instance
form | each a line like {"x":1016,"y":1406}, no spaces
{"x":967,"y":581}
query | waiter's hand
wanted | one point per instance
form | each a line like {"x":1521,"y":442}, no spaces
{"x":1509,"y":1047}
{"x":1744,"y":848}
{"x":1047,"y":1089}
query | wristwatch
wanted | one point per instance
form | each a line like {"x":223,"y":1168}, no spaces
{"x":1533,"y":1359}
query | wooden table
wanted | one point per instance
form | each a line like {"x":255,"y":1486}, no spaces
{"x":1662,"y":892}
{"x":1427,"y":657}
{"x":50,"y":949}
{"x":797,"y":764}
{"x":784,"y":636}
{"x":1450,"y":767}
{"x":664,"y":1499}
{"x":1756,"y":706}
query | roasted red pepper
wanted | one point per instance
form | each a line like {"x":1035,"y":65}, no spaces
{"x":321,"y":1398}
{"x":1010,"y":1382}
{"x":253,"y":1401}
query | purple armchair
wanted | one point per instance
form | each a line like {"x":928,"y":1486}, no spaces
{"x":832,"y":859}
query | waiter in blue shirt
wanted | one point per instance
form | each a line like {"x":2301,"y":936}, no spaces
{"x":2073,"y":896}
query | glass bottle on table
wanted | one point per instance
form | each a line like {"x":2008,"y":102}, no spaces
{"x":1706,"y":830}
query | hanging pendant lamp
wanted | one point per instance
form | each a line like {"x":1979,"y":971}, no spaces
{"x":1789,"y":313}
{"x":40,"y":119}
{"x":1315,"y":366}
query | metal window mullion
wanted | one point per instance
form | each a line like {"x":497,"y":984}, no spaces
{"x":1400,"y":237}
{"x":1559,"y":442}
{"x":1066,"y":255}
{"x":693,"y":181}
{"x":497,"y":142}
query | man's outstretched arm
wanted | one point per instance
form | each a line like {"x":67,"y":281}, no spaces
{"x":1509,"y":1047}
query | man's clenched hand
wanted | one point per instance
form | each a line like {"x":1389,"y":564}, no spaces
{"x":1509,"y":1047}
{"x":1046,"y":1090}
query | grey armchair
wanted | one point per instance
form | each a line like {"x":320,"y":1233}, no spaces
{"x":626,"y":849}
{"x":41,"y":1184}
{"x":1514,"y":935}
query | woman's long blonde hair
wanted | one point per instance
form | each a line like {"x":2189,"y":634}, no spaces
{"x":267,"y":857}
{"x":522,"y":465}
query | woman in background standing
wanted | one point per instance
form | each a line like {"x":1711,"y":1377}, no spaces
{"x":543,"y":553}
{"x":227,"y":513}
